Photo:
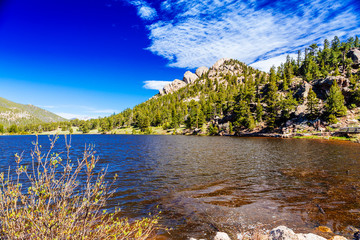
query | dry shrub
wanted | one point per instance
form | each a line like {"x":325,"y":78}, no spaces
{"x":64,"y":200}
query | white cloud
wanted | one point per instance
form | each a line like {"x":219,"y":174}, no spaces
{"x":265,"y":65}
{"x":81,"y":112}
{"x":144,"y":10}
{"x":200,"y":32}
{"x":72,"y":116}
{"x":155,"y":85}
{"x":47,"y":106}
{"x":110,"y":111}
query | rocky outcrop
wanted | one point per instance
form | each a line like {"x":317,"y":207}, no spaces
{"x":354,"y":54}
{"x":322,"y":86}
{"x":221,"y":67}
{"x":201,"y":71}
{"x":172,"y":87}
{"x":190,"y":77}
{"x":303,"y":91}
{"x":219,"y":63}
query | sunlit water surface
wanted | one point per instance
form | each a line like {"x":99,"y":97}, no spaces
{"x":203,"y":184}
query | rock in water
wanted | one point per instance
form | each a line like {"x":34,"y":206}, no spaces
{"x":309,"y":236}
{"x":190,"y":77}
{"x":285,"y":233}
{"x":221,"y":236}
{"x":201,"y":71}
{"x":282,"y":233}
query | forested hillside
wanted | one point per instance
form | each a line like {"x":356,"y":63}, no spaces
{"x":14,"y":115}
{"x":321,"y":84}
{"x":317,"y":89}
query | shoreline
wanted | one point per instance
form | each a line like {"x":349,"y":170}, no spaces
{"x":329,"y":136}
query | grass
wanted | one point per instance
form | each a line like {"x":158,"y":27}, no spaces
{"x":153,"y":131}
{"x":325,"y":137}
{"x":57,"y":205}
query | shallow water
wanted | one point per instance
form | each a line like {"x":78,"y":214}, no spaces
{"x":207,"y":183}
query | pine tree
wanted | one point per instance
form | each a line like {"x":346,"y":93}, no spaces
{"x":335,"y":43}
{"x":271,"y":100}
{"x":288,"y":105}
{"x":336,"y":72}
{"x":259,"y":111}
{"x":143,"y":121}
{"x":335,"y":102}
{"x":13,"y":129}
{"x":326,"y":44}
{"x":312,"y":104}
{"x":357,"y":42}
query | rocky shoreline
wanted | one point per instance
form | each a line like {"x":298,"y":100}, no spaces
{"x":283,"y":233}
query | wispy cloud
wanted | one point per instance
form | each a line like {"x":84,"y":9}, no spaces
{"x":80,"y":111}
{"x":73,"y":116}
{"x":155,"y":85}
{"x":194,"y":33}
{"x":265,"y":65}
{"x":105,"y":111}
{"x":145,"y":11}
{"x":47,"y":106}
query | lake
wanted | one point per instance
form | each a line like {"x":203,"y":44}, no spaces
{"x":202,"y":184}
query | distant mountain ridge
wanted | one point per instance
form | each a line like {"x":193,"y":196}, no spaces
{"x":24,"y":114}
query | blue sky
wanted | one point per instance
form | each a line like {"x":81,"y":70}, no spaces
{"x":93,"y":58}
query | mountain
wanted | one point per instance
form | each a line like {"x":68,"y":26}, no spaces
{"x":20,"y":114}
{"x":319,"y":90}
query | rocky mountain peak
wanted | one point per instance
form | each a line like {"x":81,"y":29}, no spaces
{"x":222,"y":65}
{"x":188,"y":78}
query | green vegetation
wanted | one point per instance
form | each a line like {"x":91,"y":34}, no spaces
{"x":312,"y":104}
{"x":234,"y":98}
{"x":353,"y":139}
{"x":57,"y":205}
{"x":335,"y":102}
{"x":25,"y":117}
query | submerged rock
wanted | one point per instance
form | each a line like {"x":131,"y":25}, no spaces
{"x":324,"y":229}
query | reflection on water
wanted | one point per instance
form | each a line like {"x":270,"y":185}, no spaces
{"x":207,"y":183}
